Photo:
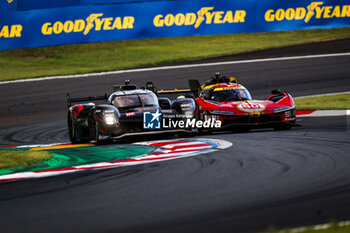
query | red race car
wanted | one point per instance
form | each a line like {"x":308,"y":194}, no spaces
{"x":224,"y":99}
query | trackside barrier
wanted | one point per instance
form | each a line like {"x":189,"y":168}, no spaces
{"x":83,"y":21}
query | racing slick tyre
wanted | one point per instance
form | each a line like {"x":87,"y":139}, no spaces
{"x":97,"y":135}
{"x":72,"y":131}
{"x":98,"y":140}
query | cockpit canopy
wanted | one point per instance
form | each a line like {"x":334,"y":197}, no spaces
{"x":224,"y":94}
{"x":134,"y":99}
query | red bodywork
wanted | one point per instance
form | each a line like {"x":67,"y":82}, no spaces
{"x":276,"y":109}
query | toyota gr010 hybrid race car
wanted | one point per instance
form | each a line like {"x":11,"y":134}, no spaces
{"x":226,"y":100}
{"x":128,"y":111}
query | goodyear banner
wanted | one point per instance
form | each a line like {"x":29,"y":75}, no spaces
{"x":295,"y":15}
{"x":7,"y":6}
{"x":149,"y":19}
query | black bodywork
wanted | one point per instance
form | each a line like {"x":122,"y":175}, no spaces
{"x":121,"y":115}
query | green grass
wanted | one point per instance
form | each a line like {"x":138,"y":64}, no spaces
{"x":20,"y":158}
{"x":116,"y":55}
{"x":334,"y":228}
{"x":329,"y":102}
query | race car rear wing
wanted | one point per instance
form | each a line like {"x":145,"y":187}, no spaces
{"x":82,"y":99}
{"x":194,"y":89}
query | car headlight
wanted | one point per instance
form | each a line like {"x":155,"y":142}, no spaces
{"x":110,"y":119}
{"x":208,"y":117}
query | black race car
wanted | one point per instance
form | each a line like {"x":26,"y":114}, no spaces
{"x":127,"y":111}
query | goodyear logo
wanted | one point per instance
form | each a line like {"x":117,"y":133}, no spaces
{"x":94,"y":21}
{"x":315,"y":9}
{"x":11,"y":31}
{"x":9,"y":1}
{"x":205,"y":15}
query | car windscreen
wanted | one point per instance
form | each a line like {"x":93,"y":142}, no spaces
{"x":230,"y":95}
{"x":135,"y":100}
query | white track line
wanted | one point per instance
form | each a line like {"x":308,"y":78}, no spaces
{"x":326,"y":113}
{"x":177,"y":67}
{"x":326,"y":94}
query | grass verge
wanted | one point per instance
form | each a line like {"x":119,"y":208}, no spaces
{"x":327,"y":228}
{"x":116,"y":55}
{"x":330,"y":102}
{"x":21,"y":158}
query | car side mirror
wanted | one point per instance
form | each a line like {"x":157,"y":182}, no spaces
{"x":276,"y":92}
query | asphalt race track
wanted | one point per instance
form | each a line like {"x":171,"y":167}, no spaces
{"x":267,"y":178}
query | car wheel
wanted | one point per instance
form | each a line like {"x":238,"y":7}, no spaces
{"x":72,"y":130}
{"x":97,"y":134}
{"x":98,"y":140}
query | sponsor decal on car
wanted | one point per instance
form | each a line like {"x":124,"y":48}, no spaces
{"x":147,"y":109}
{"x":281,"y":109}
{"x":222,"y":112}
{"x":167,"y":111}
{"x":128,"y":114}
{"x":228,"y":88}
{"x":251,"y":107}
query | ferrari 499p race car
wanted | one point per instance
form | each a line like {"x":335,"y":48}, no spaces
{"x":224,"y":99}
{"x":231,"y":103}
{"x":128,"y":111}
